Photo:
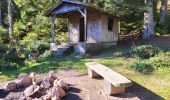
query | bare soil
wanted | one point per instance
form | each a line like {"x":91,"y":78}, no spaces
{"x":83,"y":87}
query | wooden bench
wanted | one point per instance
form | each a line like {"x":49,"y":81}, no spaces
{"x":114,"y":83}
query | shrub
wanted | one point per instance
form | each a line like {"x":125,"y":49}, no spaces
{"x":145,"y":51}
{"x":161,"y":60}
{"x":34,"y":48}
{"x":3,"y":35}
{"x":142,"y":66}
{"x":160,"y":31}
{"x":9,"y":58}
{"x":43,"y":57}
{"x":3,"y":49}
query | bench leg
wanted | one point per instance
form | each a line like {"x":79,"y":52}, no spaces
{"x":110,"y":89}
{"x":92,"y":73}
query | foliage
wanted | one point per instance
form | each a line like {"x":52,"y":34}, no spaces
{"x":3,"y":35}
{"x":34,"y":48}
{"x":142,"y":66}
{"x":9,"y":57}
{"x":145,"y":51}
{"x":160,"y":31}
{"x":161,"y":60}
{"x":131,"y":16}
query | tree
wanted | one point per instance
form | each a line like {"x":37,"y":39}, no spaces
{"x":10,"y":20}
{"x":0,"y":12}
{"x":163,"y":11}
{"x":148,"y":20}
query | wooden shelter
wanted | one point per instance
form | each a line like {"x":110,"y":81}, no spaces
{"x":90,"y":28}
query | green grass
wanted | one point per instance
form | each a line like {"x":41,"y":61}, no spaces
{"x":157,"y":83}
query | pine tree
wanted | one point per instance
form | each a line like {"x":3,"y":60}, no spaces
{"x":10,"y":20}
{"x":163,"y":11}
{"x":148,"y":20}
{"x":0,"y":12}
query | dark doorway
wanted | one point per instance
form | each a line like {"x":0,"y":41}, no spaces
{"x":82,"y":33}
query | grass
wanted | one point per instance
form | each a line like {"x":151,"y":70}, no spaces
{"x":157,"y":83}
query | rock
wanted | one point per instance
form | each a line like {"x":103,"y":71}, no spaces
{"x":31,"y":90}
{"x":47,"y":96}
{"x":28,"y":98}
{"x":10,"y":86}
{"x":62,"y":84}
{"x":33,"y":79}
{"x":45,"y":84}
{"x":61,"y":92}
{"x":51,"y":77}
{"x":23,"y":80}
{"x":23,"y":98}
{"x":55,"y":94}
{"x":38,"y":81}
{"x":36,"y":99}
{"x":34,"y":91}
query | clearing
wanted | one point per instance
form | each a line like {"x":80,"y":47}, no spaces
{"x":155,"y":86}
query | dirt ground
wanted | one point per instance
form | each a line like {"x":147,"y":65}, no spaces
{"x":83,"y":87}
{"x":162,"y":41}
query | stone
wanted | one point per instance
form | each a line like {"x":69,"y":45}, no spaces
{"x":34,"y":91}
{"x":51,"y":77}
{"x":23,"y":80}
{"x":47,"y":96}
{"x":45,"y":83}
{"x":31,"y":90}
{"x":61,"y":92}
{"x":55,"y":94}
{"x":33,"y":79}
{"x":62,"y":84}
{"x":23,"y":98}
{"x":38,"y":81}
{"x":10,"y":86}
{"x":36,"y":99}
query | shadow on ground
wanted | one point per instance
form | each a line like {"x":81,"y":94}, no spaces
{"x":71,"y":94}
{"x":142,"y":92}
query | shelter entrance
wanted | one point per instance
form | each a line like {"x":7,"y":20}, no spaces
{"x":81,"y":30}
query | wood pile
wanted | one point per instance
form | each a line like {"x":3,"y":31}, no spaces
{"x":131,"y":36}
{"x":48,"y":88}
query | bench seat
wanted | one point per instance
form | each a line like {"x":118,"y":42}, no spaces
{"x":114,"y":82}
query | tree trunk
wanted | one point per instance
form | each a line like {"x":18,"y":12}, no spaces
{"x":0,"y":12}
{"x":10,"y":21}
{"x":163,"y":11}
{"x":148,"y":20}
{"x":52,"y":29}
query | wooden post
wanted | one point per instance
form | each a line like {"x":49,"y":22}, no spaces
{"x":85,"y":23}
{"x":52,"y":28}
{"x":84,"y":14}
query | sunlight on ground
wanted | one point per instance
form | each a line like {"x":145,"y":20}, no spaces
{"x":157,"y":82}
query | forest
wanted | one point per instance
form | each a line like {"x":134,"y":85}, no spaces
{"x":25,"y":38}
{"x":25,"y":31}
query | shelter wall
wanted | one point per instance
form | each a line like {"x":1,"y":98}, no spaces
{"x":73,"y":28}
{"x":94,"y":28}
{"x":106,"y":34}
{"x":97,"y":28}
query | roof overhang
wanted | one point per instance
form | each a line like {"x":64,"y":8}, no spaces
{"x":65,"y":7}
